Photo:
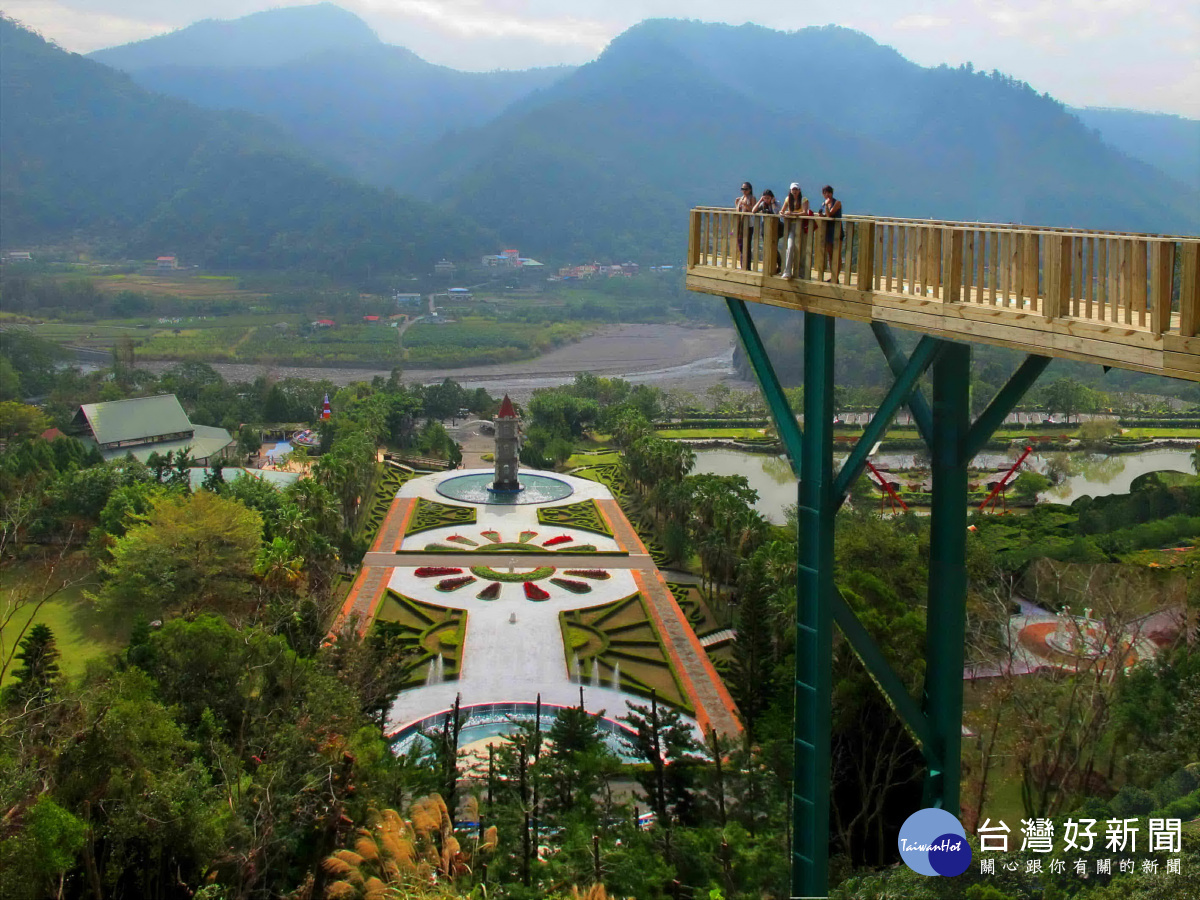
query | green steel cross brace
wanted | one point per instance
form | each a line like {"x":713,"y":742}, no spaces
{"x":936,"y":723}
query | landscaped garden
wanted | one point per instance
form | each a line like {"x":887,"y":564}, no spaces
{"x":434,"y":634}
{"x":386,"y":485}
{"x":450,"y":579}
{"x":584,"y":515}
{"x":492,"y":541}
{"x":430,"y":514}
{"x":617,"y":644}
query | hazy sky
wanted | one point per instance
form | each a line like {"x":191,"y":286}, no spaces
{"x":1131,"y":53}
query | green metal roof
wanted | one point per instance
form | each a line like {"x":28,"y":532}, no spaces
{"x":206,"y":443}
{"x":131,"y":420}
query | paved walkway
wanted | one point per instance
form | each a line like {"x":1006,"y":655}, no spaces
{"x":714,"y":706}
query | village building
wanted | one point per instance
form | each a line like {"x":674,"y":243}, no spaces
{"x":166,"y":262}
{"x":147,"y":425}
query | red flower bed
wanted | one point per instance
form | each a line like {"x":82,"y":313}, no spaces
{"x":533,"y":592}
{"x":436,"y":571}
{"x":570,"y":584}
{"x":459,"y":539}
{"x":493,"y":536}
{"x":491,"y":592}
{"x":561,"y":539}
{"x":596,"y":574}
{"x":453,"y":584}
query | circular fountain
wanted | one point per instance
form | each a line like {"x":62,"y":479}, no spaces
{"x":478,"y":488}
{"x":507,"y":487}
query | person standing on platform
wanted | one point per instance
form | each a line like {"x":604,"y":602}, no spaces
{"x":769,"y":206}
{"x":744,"y":203}
{"x":791,"y":210}
{"x":831,"y":208}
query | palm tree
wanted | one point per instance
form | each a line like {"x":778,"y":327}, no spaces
{"x":278,"y":565}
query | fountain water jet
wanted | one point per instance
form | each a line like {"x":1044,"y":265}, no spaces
{"x":616,"y":678}
{"x":437,"y":671}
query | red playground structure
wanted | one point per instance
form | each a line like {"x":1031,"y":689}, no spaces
{"x":889,"y":496}
{"x":1001,"y":487}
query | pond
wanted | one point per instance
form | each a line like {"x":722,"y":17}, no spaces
{"x":1094,"y":474}
{"x":1100,"y":474}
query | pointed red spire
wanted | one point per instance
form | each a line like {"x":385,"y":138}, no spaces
{"x":506,"y":409}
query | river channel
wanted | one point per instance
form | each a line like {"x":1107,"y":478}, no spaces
{"x":1088,"y":473}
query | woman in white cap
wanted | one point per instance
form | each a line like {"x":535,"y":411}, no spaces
{"x":790,"y":211}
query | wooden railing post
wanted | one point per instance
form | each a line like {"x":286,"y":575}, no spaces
{"x":1058,"y":276}
{"x":770,"y":245}
{"x":952,"y":277}
{"x":866,"y":256}
{"x":1162,"y":273}
{"x":694,"y":238}
{"x":1189,"y":288}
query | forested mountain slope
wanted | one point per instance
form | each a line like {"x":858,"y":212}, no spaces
{"x":87,"y":155}
{"x":674,"y":113}
{"x":322,"y":74}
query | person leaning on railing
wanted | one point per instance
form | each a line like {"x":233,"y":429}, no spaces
{"x":769,"y":206}
{"x":744,"y":203}
{"x":831,"y":208}
{"x":792,"y":208}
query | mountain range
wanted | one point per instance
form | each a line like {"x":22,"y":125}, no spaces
{"x":598,"y":161}
{"x":88,"y":156}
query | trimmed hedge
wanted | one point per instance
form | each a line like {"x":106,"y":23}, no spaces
{"x":584,"y":515}
{"x":430,"y":514}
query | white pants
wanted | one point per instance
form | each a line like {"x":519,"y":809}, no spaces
{"x":791,"y":257}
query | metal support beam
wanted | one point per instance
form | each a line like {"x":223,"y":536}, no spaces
{"x":917,"y":404}
{"x":885,"y":676}
{"x":926,"y":352}
{"x":946,"y":610}
{"x":768,"y":382}
{"x":814,"y":622}
{"x":1002,"y":404}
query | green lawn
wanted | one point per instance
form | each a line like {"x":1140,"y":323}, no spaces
{"x":591,"y":459}
{"x":81,"y":634}
{"x":708,"y":433}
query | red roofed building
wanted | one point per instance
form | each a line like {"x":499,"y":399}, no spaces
{"x":323,"y":323}
{"x":371,"y":319}
{"x":507,"y":411}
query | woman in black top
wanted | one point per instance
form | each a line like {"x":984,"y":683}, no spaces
{"x":831,"y":208}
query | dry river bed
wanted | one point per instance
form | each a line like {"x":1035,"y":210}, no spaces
{"x":666,"y":356}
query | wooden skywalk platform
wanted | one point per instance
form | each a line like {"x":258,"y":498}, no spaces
{"x":1126,"y":300}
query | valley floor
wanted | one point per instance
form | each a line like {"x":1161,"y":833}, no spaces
{"x":663,"y":355}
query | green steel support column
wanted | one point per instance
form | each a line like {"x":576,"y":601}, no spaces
{"x":1004,"y":401}
{"x":946,"y":611}
{"x":768,"y":381}
{"x":917,"y":404}
{"x":902,"y":388}
{"x":814,"y":620}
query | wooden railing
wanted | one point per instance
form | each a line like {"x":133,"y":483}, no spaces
{"x":1140,"y":282}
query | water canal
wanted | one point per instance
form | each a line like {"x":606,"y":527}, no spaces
{"x":1094,"y":474}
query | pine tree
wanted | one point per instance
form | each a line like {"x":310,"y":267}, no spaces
{"x":34,"y":678}
{"x":665,"y":741}
{"x":751,"y":681}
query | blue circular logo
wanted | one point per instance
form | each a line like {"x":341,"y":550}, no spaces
{"x":933,"y":842}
